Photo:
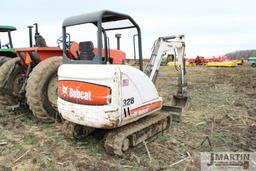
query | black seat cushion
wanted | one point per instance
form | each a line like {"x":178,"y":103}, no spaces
{"x":86,"y":50}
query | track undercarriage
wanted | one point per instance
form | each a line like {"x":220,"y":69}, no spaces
{"x":119,"y":140}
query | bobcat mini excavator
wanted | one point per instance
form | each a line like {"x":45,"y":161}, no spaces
{"x":120,"y":98}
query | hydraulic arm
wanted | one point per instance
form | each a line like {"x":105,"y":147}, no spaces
{"x":161,"y":47}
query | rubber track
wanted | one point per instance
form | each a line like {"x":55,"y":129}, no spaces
{"x":35,"y":84}
{"x":114,"y":139}
{"x":4,"y":69}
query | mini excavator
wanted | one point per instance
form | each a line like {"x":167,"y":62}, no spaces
{"x":119,"y":98}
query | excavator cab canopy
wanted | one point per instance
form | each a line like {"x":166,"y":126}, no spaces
{"x":104,"y":21}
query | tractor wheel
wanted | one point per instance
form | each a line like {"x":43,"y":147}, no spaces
{"x":42,"y":90}
{"x":254,"y":65}
{"x":9,"y":93}
{"x":3,"y":59}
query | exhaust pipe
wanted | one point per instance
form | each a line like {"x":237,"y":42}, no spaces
{"x":30,"y":36}
{"x":36,"y":27}
{"x":39,"y":40}
{"x":118,"y":36}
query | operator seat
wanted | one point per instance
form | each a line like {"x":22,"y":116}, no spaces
{"x":86,"y":50}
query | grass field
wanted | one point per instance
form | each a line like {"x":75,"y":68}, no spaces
{"x":222,"y":112}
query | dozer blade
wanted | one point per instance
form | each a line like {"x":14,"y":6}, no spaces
{"x":174,"y":111}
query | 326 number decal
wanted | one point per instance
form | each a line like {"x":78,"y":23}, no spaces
{"x":128,"y":101}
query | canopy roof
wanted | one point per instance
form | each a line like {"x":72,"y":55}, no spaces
{"x":105,"y":16}
{"x":7,"y":28}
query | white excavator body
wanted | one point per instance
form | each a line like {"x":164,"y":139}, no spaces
{"x":93,"y":93}
{"x":105,"y":96}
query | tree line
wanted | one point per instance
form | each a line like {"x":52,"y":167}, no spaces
{"x":241,"y":54}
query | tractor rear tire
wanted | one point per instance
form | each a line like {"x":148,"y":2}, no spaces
{"x":3,"y":59}
{"x":14,"y":84}
{"x":41,"y":90}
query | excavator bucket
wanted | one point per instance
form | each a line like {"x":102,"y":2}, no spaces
{"x":181,"y":101}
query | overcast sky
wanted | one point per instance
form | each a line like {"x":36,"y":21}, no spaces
{"x":210,"y":27}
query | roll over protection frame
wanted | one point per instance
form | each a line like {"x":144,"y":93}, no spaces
{"x":98,"y":18}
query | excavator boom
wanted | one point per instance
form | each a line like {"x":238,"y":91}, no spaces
{"x":162,"y":47}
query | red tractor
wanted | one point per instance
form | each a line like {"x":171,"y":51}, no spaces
{"x":31,"y":78}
